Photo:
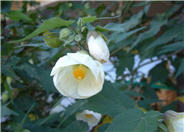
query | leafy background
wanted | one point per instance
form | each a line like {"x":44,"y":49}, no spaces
{"x":139,"y":34}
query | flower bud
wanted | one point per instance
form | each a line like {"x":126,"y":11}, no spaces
{"x":64,"y":33}
{"x":174,"y":121}
{"x":97,"y":46}
{"x":52,"y":39}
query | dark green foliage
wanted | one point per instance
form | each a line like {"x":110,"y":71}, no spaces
{"x":134,"y":120}
{"x":156,"y":71}
{"x":104,"y":101}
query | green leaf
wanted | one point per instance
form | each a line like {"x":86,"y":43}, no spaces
{"x":119,"y":47}
{"x":46,"y":82}
{"x":26,"y":71}
{"x":159,"y":73}
{"x":172,"y":47}
{"x":18,"y":15}
{"x":126,"y":60}
{"x":8,"y":67}
{"x":89,"y":19}
{"x":170,"y":34}
{"x":134,"y":120}
{"x":162,"y":128}
{"x":36,"y":45}
{"x":156,"y":24}
{"x":180,"y":69}
{"x":41,"y":74}
{"x":101,"y":29}
{"x":110,"y":101}
{"x":119,"y":36}
{"x":131,"y":23}
{"x":77,"y":126}
{"x":154,"y":29}
{"x":49,"y":24}
{"x":173,"y":10}
{"x":8,"y":71}
{"x":69,"y":111}
{"x":48,"y":119}
{"x":34,"y":128}
{"x":28,"y":101}
{"x":5,"y":111}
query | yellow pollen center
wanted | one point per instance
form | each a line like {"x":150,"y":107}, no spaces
{"x":79,"y":72}
{"x":88,"y":115}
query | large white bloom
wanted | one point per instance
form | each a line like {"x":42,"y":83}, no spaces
{"x":92,"y":118}
{"x":97,"y":46}
{"x":77,"y":75}
{"x":174,"y":121}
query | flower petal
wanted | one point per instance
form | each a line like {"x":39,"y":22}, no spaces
{"x":61,"y":63}
{"x":91,"y":120}
{"x":66,"y":84}
{"x":86,"y":60}
{"x":90,"y":86}
{"x":101,"y":70}
{"x":98,"y":48}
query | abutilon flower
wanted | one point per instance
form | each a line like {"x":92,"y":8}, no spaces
{"x":97,"y":46}
{"x":174,"y":121}
{"x":78,"y":75}
{"x":92,"y":118}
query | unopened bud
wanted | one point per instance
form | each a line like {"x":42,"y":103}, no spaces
{"x":64,"y":33}
{"x":97,"y":46}
{"x":52,"y":39}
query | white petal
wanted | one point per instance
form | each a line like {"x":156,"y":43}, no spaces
{"x":100,"y":66}
{"x":89,"y":86}
{"x":62,"y":63}
{"x":58,"y":85}
{"x":98,"y":48}
{"x":95,"y":114}
{"x":91,"y":121}
{"x":86,"y":60}
{"x":66,"y":84}
{"x":74,"y":59}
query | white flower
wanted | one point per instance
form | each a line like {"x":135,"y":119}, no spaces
{"x":174,"y":121}
{"x":92,"y":118}
{"x":77,"y":75}
{"x":97,"y":46}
